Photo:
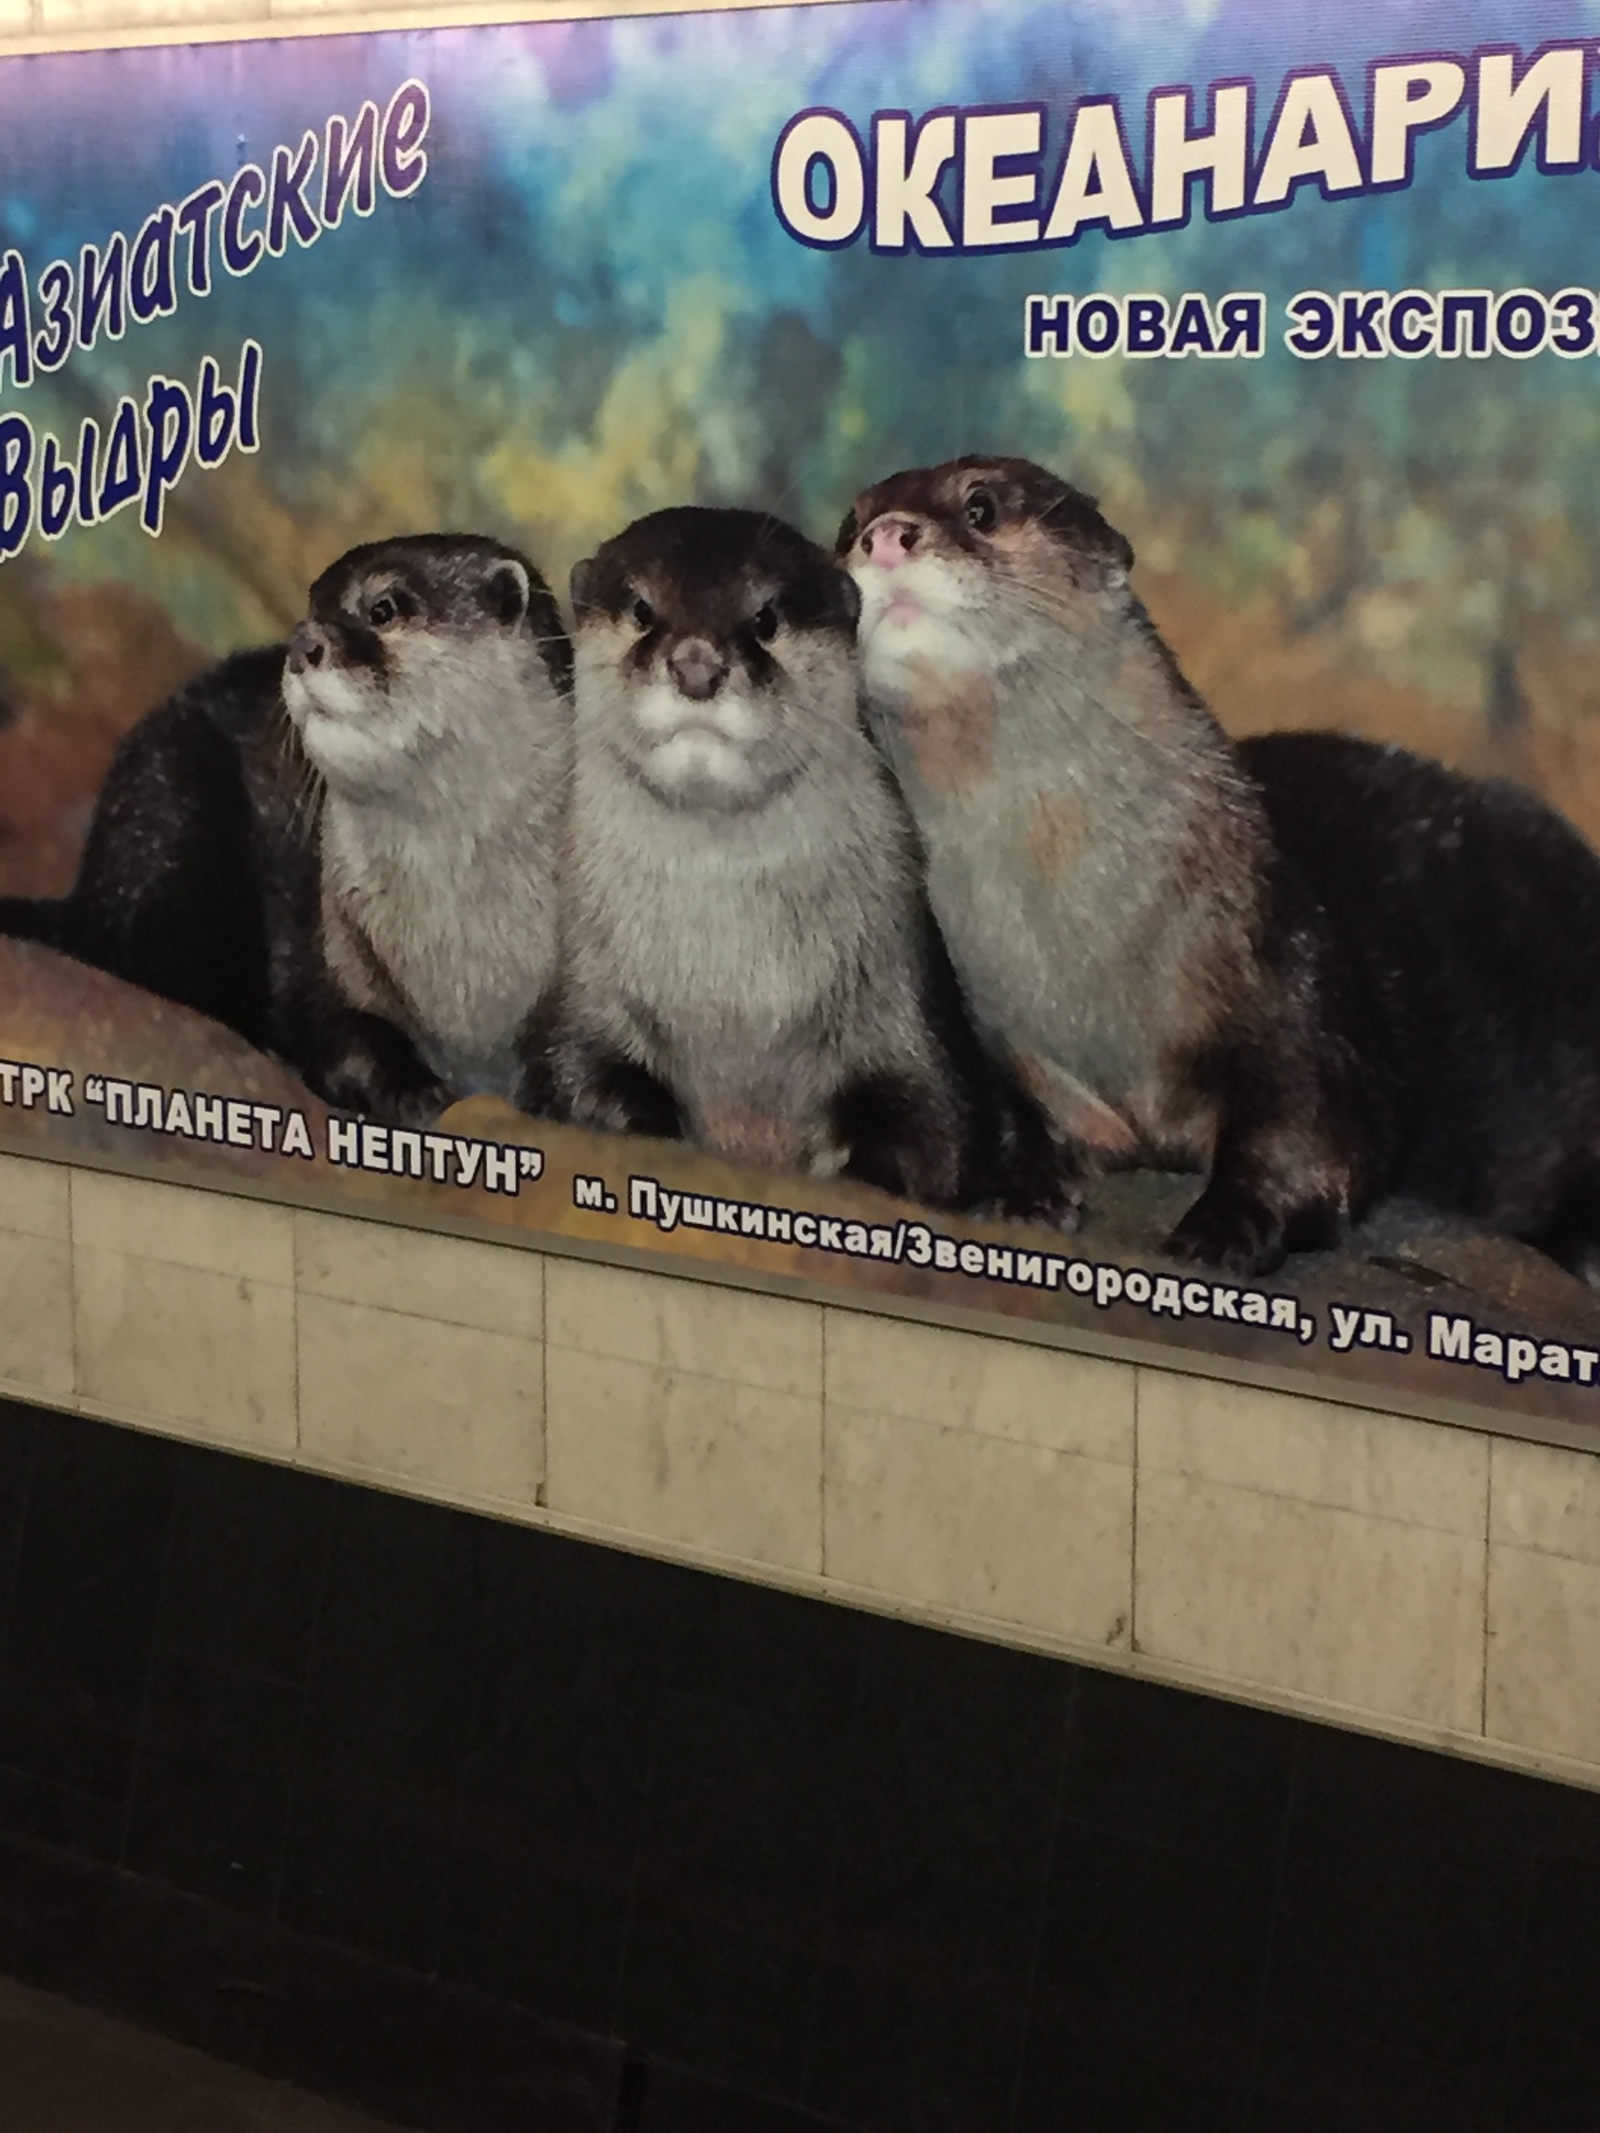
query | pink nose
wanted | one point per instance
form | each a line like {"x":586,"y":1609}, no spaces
{"x":888,"y":541}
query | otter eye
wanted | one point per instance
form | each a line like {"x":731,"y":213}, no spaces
{"x":765,"y":624}
{"x":982,"y":511}
{"x":643,"y":614}
{"x":382,"y":611}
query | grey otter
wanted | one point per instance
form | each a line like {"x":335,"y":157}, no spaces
{"x":748,"y":957}
{"x":345,"y":848}
{"x":429,"y":689}
{"x":1102,"y":868}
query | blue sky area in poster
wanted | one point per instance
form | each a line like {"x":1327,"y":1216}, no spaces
{"x":589,"y":308}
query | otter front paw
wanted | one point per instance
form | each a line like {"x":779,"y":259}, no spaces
{"x":617,"y":1096}
{"x":370,"y":1067}
{"x":1229,"y":1229}
{"x":1055,"y":1201}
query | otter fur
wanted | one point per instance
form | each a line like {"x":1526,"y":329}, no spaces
{"x":1466,"y":914}
{"x":345,"y":848}
{"x":1102,"y":868}
{"x":749,"y":960}
{"x":429,"y":687}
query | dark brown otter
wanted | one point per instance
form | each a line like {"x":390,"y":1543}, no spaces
{"x":1466,"y":914}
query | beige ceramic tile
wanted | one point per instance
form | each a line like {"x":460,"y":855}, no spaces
{"x":1311,"y":1451}
{"x":1544,"y":1653}
{"x":446,"y":1408}
{"x":35,"y":1198}
{"x":1545,"y":1499}
{"x":210,"y":1355}
{"x":980,"y":1525}
{"x":765,"y":1341}
{"x":999,"y":1388}
{"x":1364,"y":1612}
{"x":35,"y":1315}
{"x":211,"y":1231}
{"x":700,"y":1462}
{"x":495,"y":1287}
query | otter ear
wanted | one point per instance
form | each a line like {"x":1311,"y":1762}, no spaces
{"x":1076,"y":522}
{"x":583,"y":585}
{"x":507,"y":590}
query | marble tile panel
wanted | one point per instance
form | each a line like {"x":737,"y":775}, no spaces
{"x":771,"y":1342}
{"x":1544,"y":1653}
{"x":1314,"y":1452}
{"x":457,"y":1280}
{"x":207,"y":1354}
{"x":1544,"y":1498}
{"x":213,"y":1232}
{"x":703,"y":1463}
{"x":35,"y":1315}
{"x":450,"y":1409}
{"x":1268,"y":1591}
{"x":35,"y":1198}
{"x":970,"y":1381}
{"x":978,"y":1524}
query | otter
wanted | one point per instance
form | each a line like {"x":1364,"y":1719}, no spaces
{"x":198,"y":877}
{"x":1467,"y":913}
{"x":430,"y":690}
{"x":1102,"y":867}
{"x":749,"y":960}
{"x":345,"y":847}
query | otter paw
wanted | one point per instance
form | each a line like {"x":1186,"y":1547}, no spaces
{"x":1228,"y":1230}
{"x":1059,"y":1206}
{"x":414,"y":1104}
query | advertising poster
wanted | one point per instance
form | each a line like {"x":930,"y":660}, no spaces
{"x":943,"y":651}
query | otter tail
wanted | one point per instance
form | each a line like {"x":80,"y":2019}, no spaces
{"x":35,"y":918}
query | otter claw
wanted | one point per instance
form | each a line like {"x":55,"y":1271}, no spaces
{"x":1232,"y":1234}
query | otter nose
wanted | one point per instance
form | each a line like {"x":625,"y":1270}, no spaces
{"x":698,"y":668}
{"x":889,"y":540}
{"x":307,"y":648}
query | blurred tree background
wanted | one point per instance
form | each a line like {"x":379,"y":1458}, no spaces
{"x":589,"y":310}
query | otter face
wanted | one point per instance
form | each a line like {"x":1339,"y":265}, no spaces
{"x":714,"y":655}
{"x":409,"y":642}
{"x":956,"y":564}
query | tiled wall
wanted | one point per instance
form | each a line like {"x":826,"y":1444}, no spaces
{"x":1404,"y":1577}
{"x":1412,"y":1579}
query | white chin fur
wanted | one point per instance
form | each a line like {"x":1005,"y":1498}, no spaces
{"x":326,"y":693}
{"x":350,"y":758}
{"x":895,"y":645}
{"x":912,"y":615}
{"x":345,"y":728}
{"x":661,"y":712}
{"x":696,"y":751}
{"x":700,"y":763}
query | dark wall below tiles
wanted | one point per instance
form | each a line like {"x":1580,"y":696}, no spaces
{"x":490,"y":1830}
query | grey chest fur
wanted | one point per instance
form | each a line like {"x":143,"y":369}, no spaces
{"x":457,"y":923}
{"x":1092,"y":881}
{"x":752,"y":959}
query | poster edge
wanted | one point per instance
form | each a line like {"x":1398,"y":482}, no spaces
{"x":433,"y":15}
